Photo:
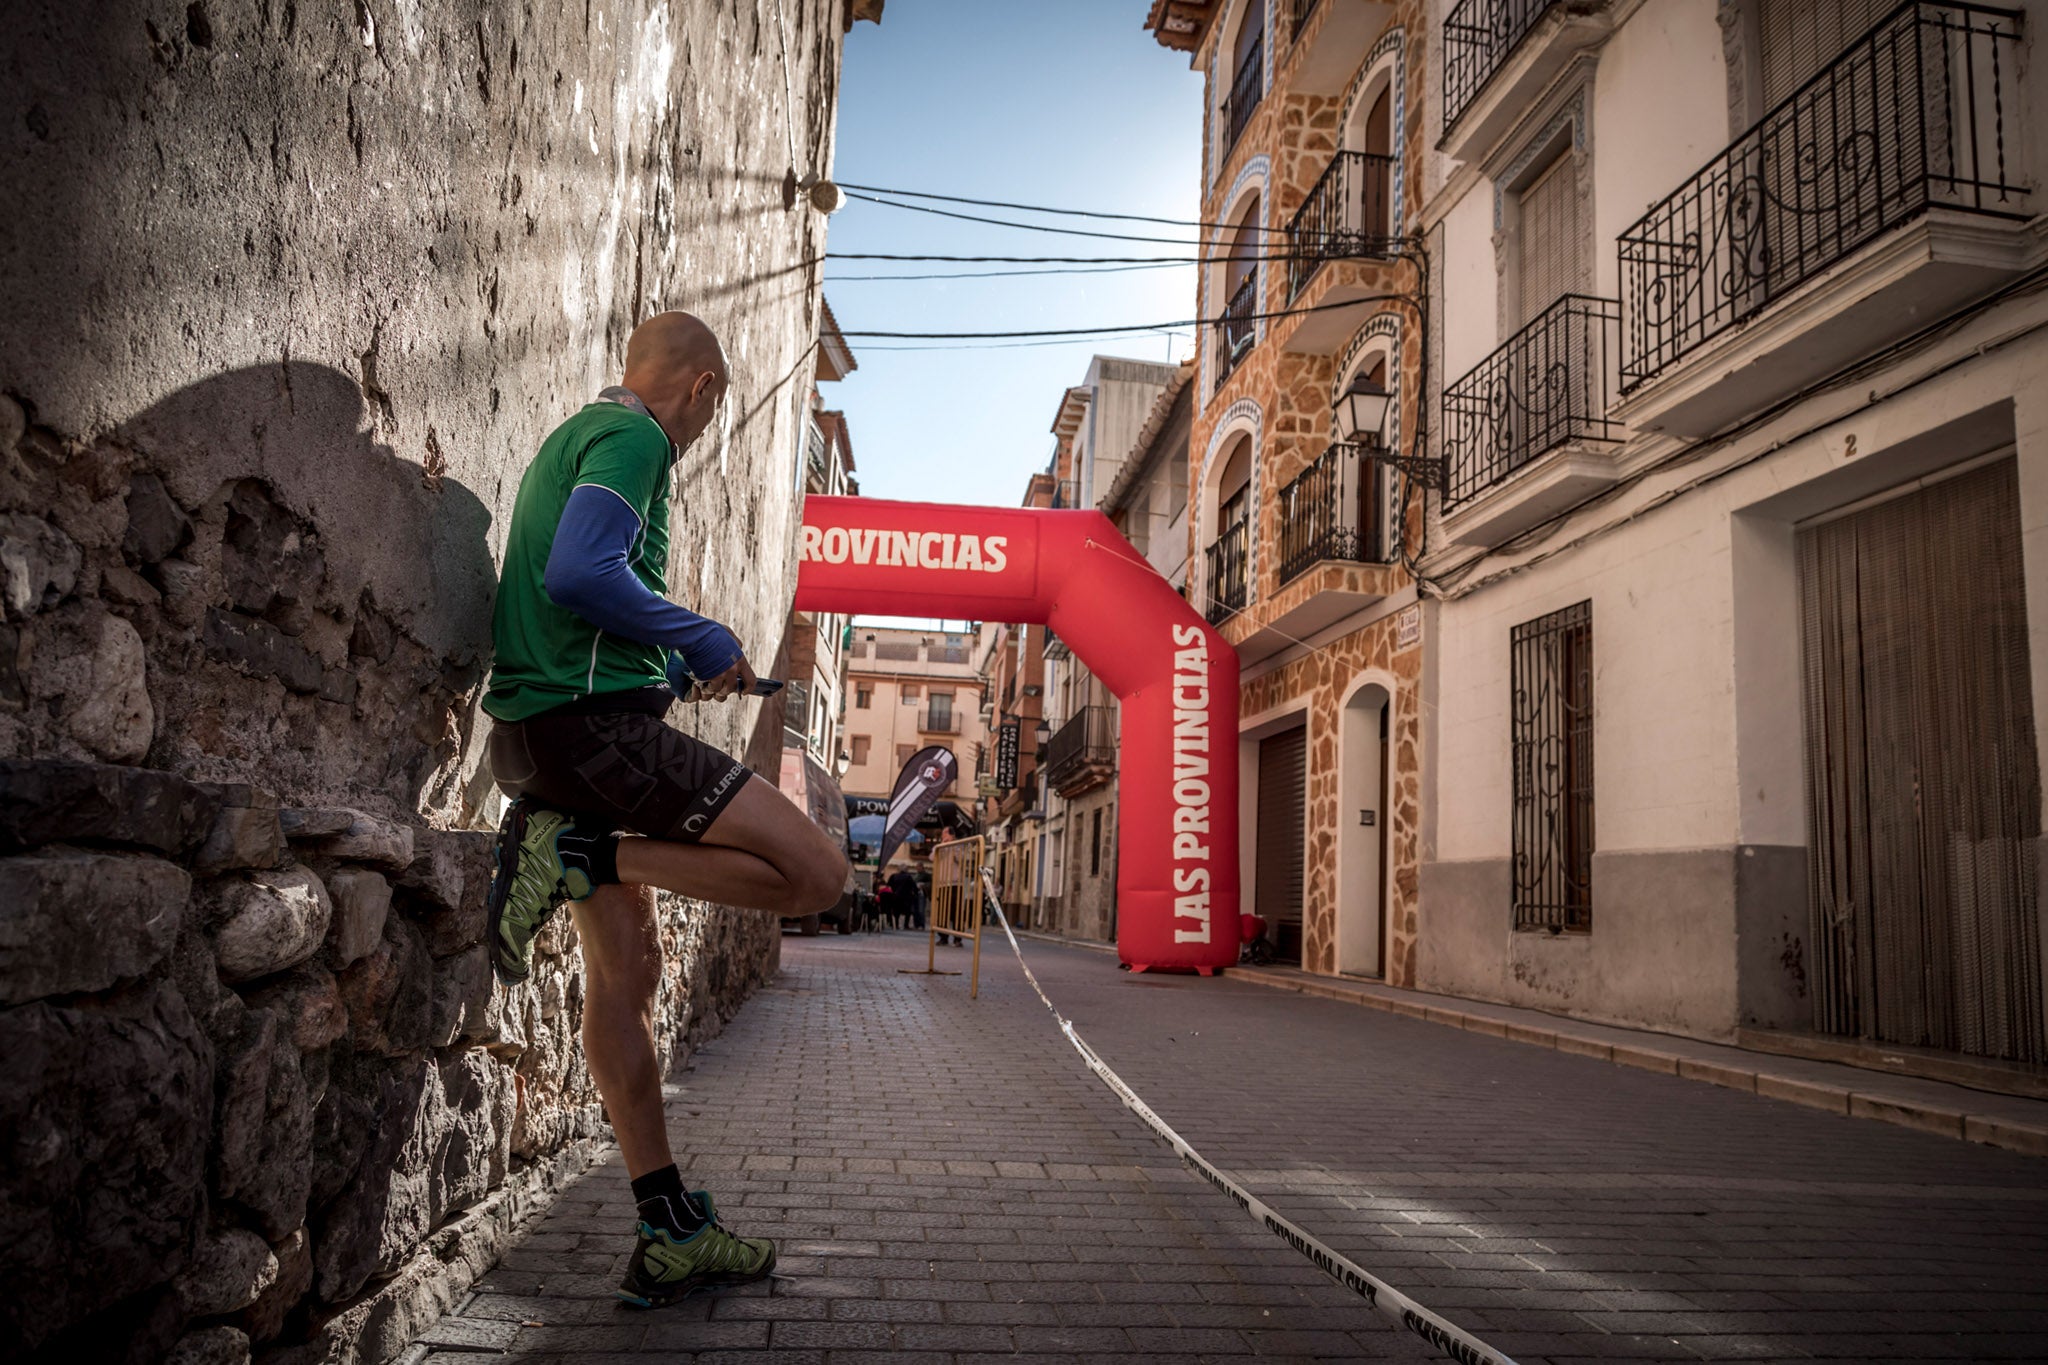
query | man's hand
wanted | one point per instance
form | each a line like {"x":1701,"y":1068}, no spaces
{"x":735,"y":680}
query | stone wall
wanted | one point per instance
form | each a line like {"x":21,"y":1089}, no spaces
{"x":294,"y":292}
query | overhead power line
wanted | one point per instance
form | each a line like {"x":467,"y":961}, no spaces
{"x":1044,"y":227}
{"x":1128,"y":327}
{"x":1009,"y":274}
{"x":1041,"y":208}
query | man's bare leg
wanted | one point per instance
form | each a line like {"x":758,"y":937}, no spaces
{"x":622,"y":971}
{"x":762,"y":853}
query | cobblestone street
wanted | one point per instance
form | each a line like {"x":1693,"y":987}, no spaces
{"x":949,"y":1184}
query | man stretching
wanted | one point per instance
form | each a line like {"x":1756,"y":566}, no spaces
{"x":589,"y":656}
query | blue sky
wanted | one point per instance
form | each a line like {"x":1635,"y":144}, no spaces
{"x":1069,"y":103}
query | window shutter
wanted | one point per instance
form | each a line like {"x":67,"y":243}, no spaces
{"x":1549,"y":235}
{"x":1799,"y":37}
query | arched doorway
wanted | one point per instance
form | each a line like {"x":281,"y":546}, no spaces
{"x":1363,"y":725}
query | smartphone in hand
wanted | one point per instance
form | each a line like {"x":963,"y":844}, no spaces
{"x":765,"y":687}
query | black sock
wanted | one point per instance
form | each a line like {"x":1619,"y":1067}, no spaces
{"x":659,"y":1195}
{"x":595,"y":851}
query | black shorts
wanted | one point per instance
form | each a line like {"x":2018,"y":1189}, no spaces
{"x":623,"y":766}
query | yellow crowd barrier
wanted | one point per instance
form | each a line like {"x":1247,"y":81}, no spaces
{"x":956,"y":904}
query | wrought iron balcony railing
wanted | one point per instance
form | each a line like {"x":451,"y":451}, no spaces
{"x":932,"y":722}
{"x":1238,"y":328}
{"x":1911,"y":117}
{"x":1479,"y":37}
{"x":1304,"y":10}
{"x":814,"y":453}
{"x":1331,"y":511}
{"x":1229,"y":557}
{"x":1348,"y":214}
{"x":1082,"y":749}
{"x":1547,"y":384}
{"x":1247,"y":88}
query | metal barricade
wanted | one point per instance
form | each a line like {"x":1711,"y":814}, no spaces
{"x":956,"y":905}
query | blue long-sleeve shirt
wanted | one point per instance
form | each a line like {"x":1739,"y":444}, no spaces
{"x":589,"y":572}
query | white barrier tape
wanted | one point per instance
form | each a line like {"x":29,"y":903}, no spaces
{"x":1390,"y":1302}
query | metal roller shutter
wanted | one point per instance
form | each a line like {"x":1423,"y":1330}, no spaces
{"x":1283,"y":793}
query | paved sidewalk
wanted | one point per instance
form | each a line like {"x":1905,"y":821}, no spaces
{"x":950,"y":1185}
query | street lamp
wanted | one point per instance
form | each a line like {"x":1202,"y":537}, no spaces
{"x":1362,"y":413}
{"x":1043,"y":734}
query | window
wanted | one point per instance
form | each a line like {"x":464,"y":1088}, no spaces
{"x":903,"y":753}
{"x":1548,"y":237}
{"x":1796,"y":38}
{"x":862,"y":695}
{"x":941,"y":714}
{"x":1095,"y":843}
{"x":908,"y":694}
{"x":1551,"y":715}
{"x":861,"y":743}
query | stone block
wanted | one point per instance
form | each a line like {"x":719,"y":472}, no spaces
{"x":262,"y":650}
{"x":449,"y":868}
{"x":104,"y":1114}
{"x":119,"y":583}
{"x":265,"y":922}
{"x":90,"y":665}
{"x":45,"y":801}
{"x":308,"y":1000}
{"x":229,"y":1271}
{"x":243,"y":837}
{"x":390,"y":993}
{"x":462,"y":997}
{"x":77,"y":920}
{"x":385,"y":1209}
{"x":211,"y":1346}
{"x":38,"y":565}
{"x":157,"y":526}
{"x":263,"y":1131}
{"x":264,"y":1319}
{"x":358,"y":837}
{"x":362,"y":902}
{"x":454,"y":931}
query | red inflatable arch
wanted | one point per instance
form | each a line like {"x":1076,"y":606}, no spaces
{"x":1175,"y":675}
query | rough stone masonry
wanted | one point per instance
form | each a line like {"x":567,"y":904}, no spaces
{"x":293,"y":292}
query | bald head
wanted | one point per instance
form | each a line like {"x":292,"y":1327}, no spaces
{"x":676,"y":366}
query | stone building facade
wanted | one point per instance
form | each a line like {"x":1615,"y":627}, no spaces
{"x":1299,"y":547}
{"x":306,"y":288}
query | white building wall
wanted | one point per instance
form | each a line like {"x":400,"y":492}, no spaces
{"x":1660,"y":112}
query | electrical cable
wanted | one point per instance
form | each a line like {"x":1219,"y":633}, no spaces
{"x":1072,"y":260}
{"x":1183,"y":324}
{"x":1041,"y":208}
{"x":1460,"y":582}
{"x":1046,"y":227}
{"x":1006,"y":274}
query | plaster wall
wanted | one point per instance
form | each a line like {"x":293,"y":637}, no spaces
{"x":295,"y":295}
{"x":1660,"y":111}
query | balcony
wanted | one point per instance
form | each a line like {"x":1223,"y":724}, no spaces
{"x":1527,"y":432}
{"x":1247,"y":88}
{"x":1875,"y":198}
{"x":1082,"y":753}
{"x":1226,"y":580}
{"x":1238,"y":328}
{"x":814,"y":460}
{"x":1331,"y":511}
{"x":1498,"y":55}
{"x":1329,"y":36}
{"x":1348,"y":215}
{"x":931,"y":722}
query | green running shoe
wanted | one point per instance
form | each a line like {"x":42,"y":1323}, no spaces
{"x":528,"y":882}
{"x":665,"y":1268}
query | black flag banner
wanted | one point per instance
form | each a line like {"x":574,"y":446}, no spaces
{"x":922,"y":782}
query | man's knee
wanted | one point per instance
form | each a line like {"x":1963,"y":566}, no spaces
{"x":820,"y":881}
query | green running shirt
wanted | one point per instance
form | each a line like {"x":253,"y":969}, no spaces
{"x":548,"y":655}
